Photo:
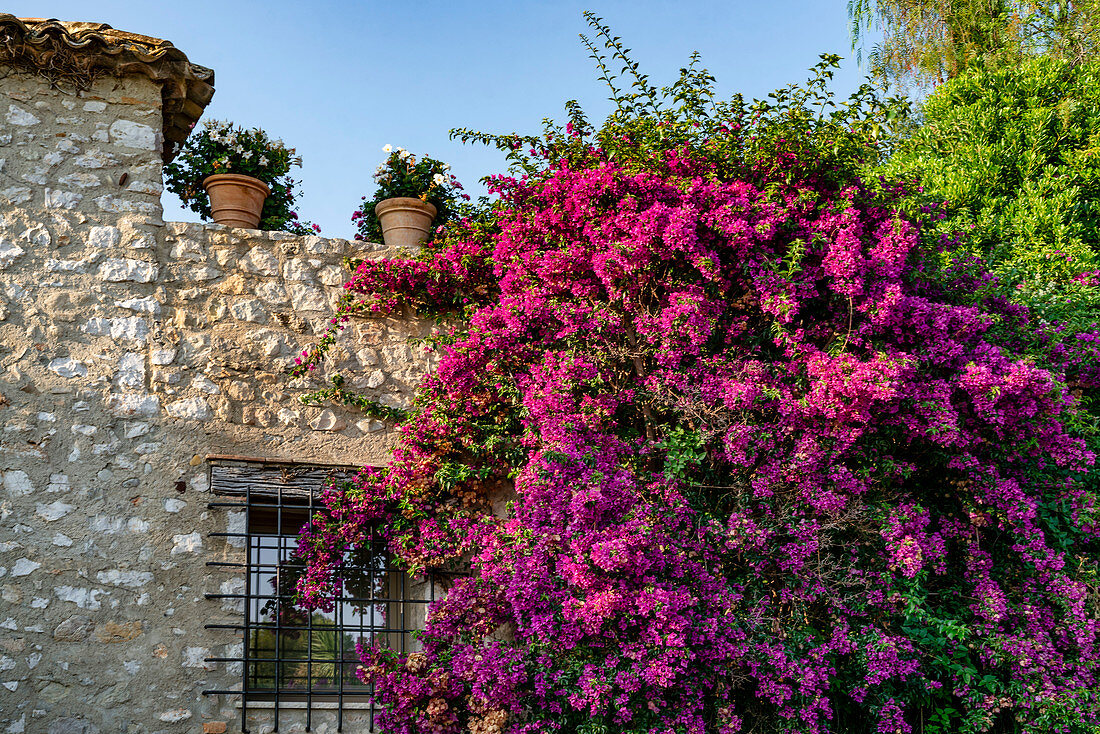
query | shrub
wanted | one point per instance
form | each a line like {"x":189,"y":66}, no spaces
{"x":766,"y":469}
{"x":1013,"y":158}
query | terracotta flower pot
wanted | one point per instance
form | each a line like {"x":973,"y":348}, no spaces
{"x":236,"y":200}
{"x":405,"y":222}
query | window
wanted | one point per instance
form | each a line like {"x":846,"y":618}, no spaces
{"x":291,"y":657}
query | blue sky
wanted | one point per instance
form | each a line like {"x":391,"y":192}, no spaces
{"x":338,"y":80}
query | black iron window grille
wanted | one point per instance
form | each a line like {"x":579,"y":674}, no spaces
{"x":290,"y":655}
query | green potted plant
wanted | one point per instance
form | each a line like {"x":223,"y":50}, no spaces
{"x":238,"y":177}
{"x":412,"y":193}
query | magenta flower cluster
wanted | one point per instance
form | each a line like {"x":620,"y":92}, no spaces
{"x":714,"y":458}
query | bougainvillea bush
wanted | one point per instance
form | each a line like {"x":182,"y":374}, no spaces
{"x":716,"y":455}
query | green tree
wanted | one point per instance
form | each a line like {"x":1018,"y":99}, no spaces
{"x":936,"y":40}
{"x":1067,"y":29}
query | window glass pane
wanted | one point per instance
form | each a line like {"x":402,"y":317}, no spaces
{"x":294,"y":650}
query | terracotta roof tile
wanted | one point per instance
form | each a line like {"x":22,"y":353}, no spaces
{"x":73,"y":53}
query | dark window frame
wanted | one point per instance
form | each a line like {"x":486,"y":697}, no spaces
{"x":266,"y":490}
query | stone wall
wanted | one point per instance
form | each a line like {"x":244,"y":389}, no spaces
{"x":130,"y":349}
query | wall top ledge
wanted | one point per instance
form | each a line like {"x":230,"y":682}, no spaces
{"x":309,"y":243}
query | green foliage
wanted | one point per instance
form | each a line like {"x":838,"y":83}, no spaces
{"x":685,"y":450}
{"x":1061,"y":712}
{"x":1015,"y":154}
{"x":222,"y":147}
{"x":797,"y":133}
{"x":338,"y":393}
{"x":935,"y":40}
{"x":929,"y":41}
{"x":309,"y":658}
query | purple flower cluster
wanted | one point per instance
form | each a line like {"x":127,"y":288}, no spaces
{"x":749,"y":473}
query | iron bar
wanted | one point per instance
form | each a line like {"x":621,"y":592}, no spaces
{"x":378,"y":613}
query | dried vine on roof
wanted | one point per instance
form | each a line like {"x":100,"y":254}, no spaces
{"x":51,"y":59}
